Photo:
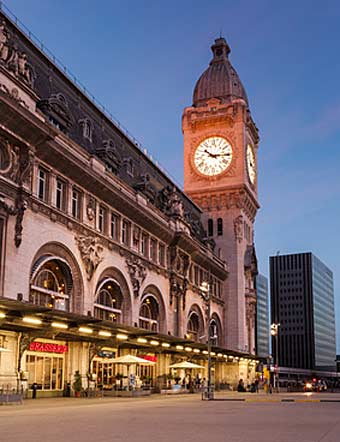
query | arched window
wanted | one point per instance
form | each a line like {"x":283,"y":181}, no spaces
{"x":149,"y":314}
{"x":109,"y":300}
{"x":210,"y":227}
{"x":52,"y":285}
{"x":86,"y":126}
{"x":193,"y":327}
{"x":219,"y":226}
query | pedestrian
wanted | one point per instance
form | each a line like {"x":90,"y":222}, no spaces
{"x":34,"y":390}
{"x":256,"y":385}
{"x":240,"y":386}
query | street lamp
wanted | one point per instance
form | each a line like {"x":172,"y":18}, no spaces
{"x":274,"y":331}
{"x":206,"y":295}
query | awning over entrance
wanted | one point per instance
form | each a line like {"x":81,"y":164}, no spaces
{"x":48,"y":323}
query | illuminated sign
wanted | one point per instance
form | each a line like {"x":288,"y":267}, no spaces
{"x":149,"y":358}
{"x":48,"y":347}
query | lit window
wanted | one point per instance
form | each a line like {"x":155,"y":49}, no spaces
{"x":109,"y":302}
{"x":149,"y":314}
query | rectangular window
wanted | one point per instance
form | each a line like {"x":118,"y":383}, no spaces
{"x":196,"y":274}
{"x":114,"y":226}
{"x":60,"y":200}
{"x":144,"y":245}
{"x":161,"y":255}
{"x":153,"y":250}
{"x":136,"y":238}
{"x":125,"y":232}
{"x":101,"y":219}
{"x":75,"y":204}
{"x":42,"y":185}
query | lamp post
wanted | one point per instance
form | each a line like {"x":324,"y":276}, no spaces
{"x":274,"y":331}
{"x":206,"y":295}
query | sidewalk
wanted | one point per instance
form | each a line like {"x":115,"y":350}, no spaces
{"x":234,"y":396}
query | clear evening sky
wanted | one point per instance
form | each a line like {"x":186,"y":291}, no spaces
{"x":143,"y":58}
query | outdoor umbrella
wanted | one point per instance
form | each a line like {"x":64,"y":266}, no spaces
{"x":130,"y":360}
{"x":186,"y":364}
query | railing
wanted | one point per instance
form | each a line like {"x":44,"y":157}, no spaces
{"x":82,"y":88}
{"x":9,"y":395}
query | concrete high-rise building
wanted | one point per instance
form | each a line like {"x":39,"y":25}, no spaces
{"x":302,"y":302}
{"x":262,"y":316}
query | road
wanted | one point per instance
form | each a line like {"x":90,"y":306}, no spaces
{"x":169,"y":419}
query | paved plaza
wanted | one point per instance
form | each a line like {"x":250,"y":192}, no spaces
{"x":169,"y":419}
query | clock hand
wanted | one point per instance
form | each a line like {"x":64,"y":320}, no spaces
{"x":210,"y":154}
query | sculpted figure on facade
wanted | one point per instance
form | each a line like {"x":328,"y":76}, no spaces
{"x":4,"y":37}
{"x":238,"y":228}
{"x":175,"y":205}
{"x":108,"y":152}
{"x":21,"y":206}
{"x":144,"y":185}
{"x":137,"y":272}
{"x":91,"y":251}
{"x":15,"y":60}
{"x":91,"y":209}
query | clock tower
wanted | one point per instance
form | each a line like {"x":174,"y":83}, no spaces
{"x":220,"y":175}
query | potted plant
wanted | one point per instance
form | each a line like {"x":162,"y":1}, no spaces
{"x":77,"y":385}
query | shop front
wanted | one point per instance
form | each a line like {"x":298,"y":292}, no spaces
{"x":43,"y":368}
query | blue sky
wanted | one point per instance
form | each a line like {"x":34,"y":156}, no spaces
{"x":143,"y":58}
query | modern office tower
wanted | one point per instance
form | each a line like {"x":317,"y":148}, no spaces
{"x":262,"y":316}
{"x":302,"y":302}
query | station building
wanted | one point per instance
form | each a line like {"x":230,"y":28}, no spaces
{"x":101,"y":253}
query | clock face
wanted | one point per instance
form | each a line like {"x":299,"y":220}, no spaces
{"x":251,"y":166}
{"x":213,"y":156}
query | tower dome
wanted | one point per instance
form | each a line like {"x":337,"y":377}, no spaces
{"x":220,"y":80}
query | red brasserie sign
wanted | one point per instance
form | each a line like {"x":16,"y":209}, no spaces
{"x":47,"y":347}
{"x":149,"y":358}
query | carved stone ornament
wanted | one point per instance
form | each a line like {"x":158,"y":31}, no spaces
{"x":91,"y":209}
{"x":13,"y":59}
{"x":13,"y":93}
{"x":137,"y":272}
{"x":175,"y":207}
{"x":108,"y":152}
{"x":16,"y":163}
{"x":91,"y":250}
{"x":144,"y":185}
{"x":178,"y":288}
{"x":238,"y":228}
{"x":21,"y":206}
{"x":56,"y":107}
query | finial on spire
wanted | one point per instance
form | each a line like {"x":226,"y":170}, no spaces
{"x":220,"y":49}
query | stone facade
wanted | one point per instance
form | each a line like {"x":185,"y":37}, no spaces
{"x":93,"y":238}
